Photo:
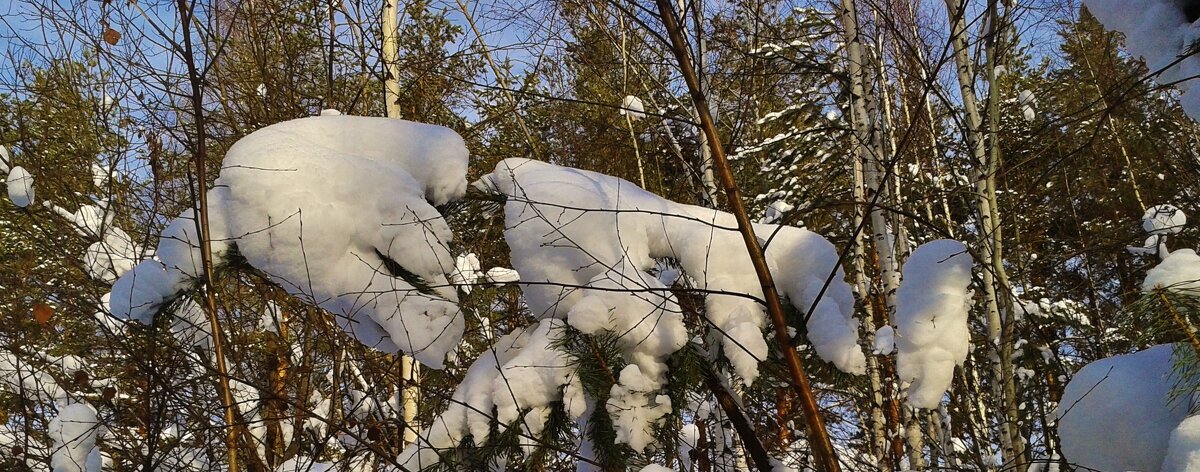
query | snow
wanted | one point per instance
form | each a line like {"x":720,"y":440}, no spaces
{"x":775,"y":212}
{"x":634,"y":410}
{"x":932,"y":305}
{"x":470,"y":409}
{"x":1164,"y":219}
{"x":566,"y":226}
{"x":1115,"y":414}
{"x":885,"y":341}
{"x":466,"y":272}
{"x":340,"y":212}
{"x":633,"y":107}
{"x":1027,"y":101}
{"x":272,"y":319}
{"x":108,"y":259}
{"x":502,"y":275}
{"x":114,"y":251}
{"x":654,"y":468}
{"x":587,"y":247}
{"x":351,"y":196}
{"x":190,"y":325}
{"x":1025,"y":97}
{"x":1159,"y":32}
{"x":648,"y":322}
{"x":20,"y":187}
{"x":101,"y":176}
{"x":179,"y":243}
{"x":142,"y":292}
{"x":18,"y":375}
{"x":1179,"y":271}
{"x":689,"y":438}
{"x":533,"y":377}
{"x":1183,"y":450}
{"x":310,"y":193}
{"x":74,"y":433}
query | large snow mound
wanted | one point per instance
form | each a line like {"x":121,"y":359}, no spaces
{"x":932,"y":305}
{"x":567,"y":226}
{"x":1161,"y":32}
{"x":587,"y":247}
{"x":74,"y":433}
{"x":1116,"y":413}
{"x":332,"y":207}
{"x":339,"y":210}
{"x":1183,"y":452}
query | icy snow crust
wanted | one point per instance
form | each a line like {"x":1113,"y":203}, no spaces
{"x":324,"y":206}
{"x":931,"y":319}
{"x":1115,"y":413}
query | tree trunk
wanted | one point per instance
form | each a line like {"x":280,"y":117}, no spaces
{"x":391,"y":59}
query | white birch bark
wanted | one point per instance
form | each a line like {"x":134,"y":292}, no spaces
{"x":391,"y":59}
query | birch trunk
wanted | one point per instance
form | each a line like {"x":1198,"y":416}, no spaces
{"x":1015,"y":455}
{"x":391,"y":59}
{"x":985,"y":186}
{"x":865,"y":177}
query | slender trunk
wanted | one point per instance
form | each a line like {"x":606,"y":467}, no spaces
{"x":391,"y":58}
{"x":985,"y":181}
{"x":994,"y":48}
{"x":633,"y":139}
{"x":199,"y":158}
{"x":862,"y":288}
{"x":868,"y":151}
{"x":706,"y":152}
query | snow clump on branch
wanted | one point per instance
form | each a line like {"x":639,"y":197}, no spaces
{"x":20,"y":187}
{"x":566,"y":226}
{"x":932,"y":305}
{"x":1117,"y":412}
{"x":74,"y":433}
{"x":586,"y":245}
{"x":284,"y":198}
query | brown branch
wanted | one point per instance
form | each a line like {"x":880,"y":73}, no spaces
{"x":822,"y":447}
{"x":199,"y":156}
{"x":754,"y":448}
